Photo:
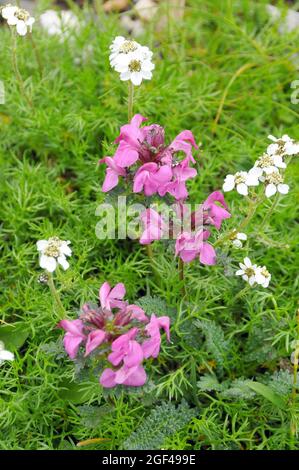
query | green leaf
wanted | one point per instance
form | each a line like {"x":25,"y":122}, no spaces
{"x":77,"y":393}
{"x":267,"y":393}
{"x":14,"y":335}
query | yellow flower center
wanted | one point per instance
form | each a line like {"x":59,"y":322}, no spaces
{"x":274,"y":178}
{"x":135,"y":66}
{"x":128,"y":46}
{"x":250,"y":272}
{"x":53,"y":247}
{"x":264,"y":161}
{"x":239,"y":178}
{"x":22,"y":14}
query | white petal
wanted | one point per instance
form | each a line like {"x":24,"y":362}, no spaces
{"x":8,"y":12}
{"x":270,"y":190}
{"x":283,"y":188}
{"x":256,"y":171}
{"x":251,"y":280}
{"x":136,"y":78}
{"x":63,"y":262}
{"x":240,"y":272}
{"x":237,"y":243}
{"x":48,"y":263}
{"x":21,"y":28}
{"x":41,"y":245}
{"x":247,"y":262}
{"x":12,"y":20}
{"x":241,"y":236}
{"x":65,"y":249}
{"x":6,"y":355}
{"x":278,"y":161}
{"x":242,"y":189}
{"x":245,"y":277}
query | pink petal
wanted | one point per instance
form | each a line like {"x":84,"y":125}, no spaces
{"x":111,"y":180}
{"x":104,"y":292}
{"x":71,"y":344}
{"x":134,"y":355}
{"x":107,"y":378}
{"x":94,"y":339}
{"x":137,"y":313}
{"x":207,"y":254}
{"x":74,"y":327}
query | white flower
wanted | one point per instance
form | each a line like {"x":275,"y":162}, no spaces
{"x":19,"y":18}
{"x":131,"y":60}
{"x":268,"y":160}
{"x":282,"y":146}
{"x":262,"y":276}
{"x":59,"y":24}
{"x":237,"y":238}
{"x":247,"y":271}
{"x":274,"y":182}
{"x":242,"y":180}
{"x":53,"y":252}
{"x":5,"y":355}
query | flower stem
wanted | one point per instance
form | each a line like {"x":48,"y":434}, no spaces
{"x":269,"y":213}
{"x":130,"y":100}
{"x":16,"y":68}
{"x":55,"y":295}
{"x":149,"y":251}
{"x":253,"y":204}
{"x":182,"y":276}
{"x":37,"y":55}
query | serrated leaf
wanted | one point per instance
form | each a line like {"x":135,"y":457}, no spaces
{"x":14,"y":336}
{"x":267,"y":393}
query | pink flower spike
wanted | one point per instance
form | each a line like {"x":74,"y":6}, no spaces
{"x":126,"y":349}
{"x":150,"y":177}
{"x":131,"y":133}
{"x":216,"y":213}
{"x":94,"y":339}
{"x":112,"y":298}
{"x":74,"y":336}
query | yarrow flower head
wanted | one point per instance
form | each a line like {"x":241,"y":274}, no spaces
{"x":131,"y":60}
{"x":254,"y":274}
{"x":282,"y":146}
{"x":242,"y":180}
{"x":144,"y":158}
{"x":53,"y":252}
{"x":18,"y":17}
{"x":117,"y":333}
{"x":59,"y":23}
{"x":274,"y":182}
{"x":4,"y":354}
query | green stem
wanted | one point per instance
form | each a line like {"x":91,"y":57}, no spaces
{"x":293,"y":425}
{"x":16,"y":68}
{"x":182,"y":276}
{"x":55,"y":295}
{"x":251,"y":211}
{"x":130,"y":100}
{"x":37,"y":55}
{"x":269,"y":213}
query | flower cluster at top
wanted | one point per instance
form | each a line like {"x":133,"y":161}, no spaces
{"x":152,"y":166}
{"x":268,"y":169}
{"x":131,"y":60}
{"x":191,"y":237}
{"x":119,"y":333}
{"x":254,"y":274}
{"x":17,"y":17}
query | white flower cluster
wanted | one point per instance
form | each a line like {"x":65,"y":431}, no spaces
{"x":267,"y":169}
{"x":53,"y":252}
{"x":237,"y":238}
{"x":59,"y":23}
{"x":254,"y":274}
{"x":18,"y":17}
{"x":131,"y":60}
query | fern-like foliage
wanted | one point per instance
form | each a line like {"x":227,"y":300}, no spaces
{"x":216,"y":343}
{"x":163,"y":421}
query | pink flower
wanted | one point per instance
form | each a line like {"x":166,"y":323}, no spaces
{"x":154,"y":227}
{"x":181,"y":173}
{"x":130,"y":376}
{"x":184,"y":143}
{"x":151,"y":178}
{"x":112,"y":298}
{"x":126,"y":349}
{"x":215,"y":213}
{"x":151,"y":346}
{"x":94,"y":339}
{"x":189,"y":246}
{"x":74,"y":336}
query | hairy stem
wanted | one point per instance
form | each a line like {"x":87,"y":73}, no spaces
{"x":37,"y":55}
{"x":182,"y":276}
{"x":55,"y":295}
{"x":130,"y":100}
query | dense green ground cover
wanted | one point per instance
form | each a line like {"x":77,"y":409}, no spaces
{"x":51,"y":184}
